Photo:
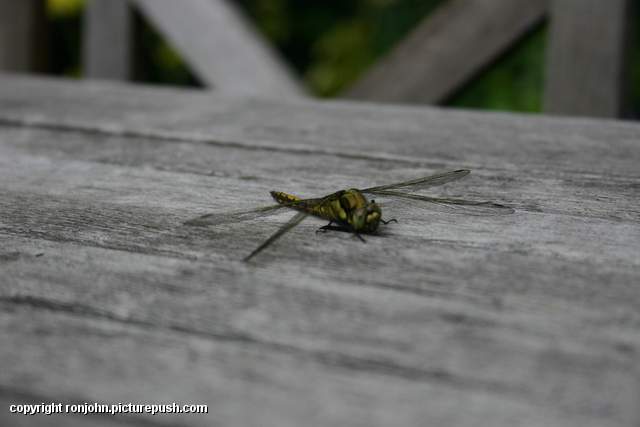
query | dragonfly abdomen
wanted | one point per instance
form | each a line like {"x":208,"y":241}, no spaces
{"x":327,"y":208}
{"x":284,"y":198}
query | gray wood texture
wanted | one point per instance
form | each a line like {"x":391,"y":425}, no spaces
{"x":21,"y":43}
{"x":588,"y":57}
{"x":108,"y":40}
{"x":444,"y":319}
{"x":448,"y":49}
{"x":221,"y":47}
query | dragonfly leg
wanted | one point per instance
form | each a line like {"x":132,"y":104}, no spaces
{"x":325,"y":228}
{"x":389,"y":222}
{"x":360,"y":237}
{"x":331,"y":227}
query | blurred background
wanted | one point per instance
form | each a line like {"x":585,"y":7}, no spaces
{"x":330,"y":44}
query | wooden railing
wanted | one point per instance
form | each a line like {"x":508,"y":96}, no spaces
{"x":222,"y":48}
{"x":586,"y":55}
{"x":449,"y":49}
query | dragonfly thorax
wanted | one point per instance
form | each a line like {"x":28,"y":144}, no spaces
{"x":361,"y":215}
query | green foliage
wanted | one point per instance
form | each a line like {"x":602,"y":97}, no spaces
{"x":514,"y":82}
{"x":61,"y":8}
{"x":156,"y":61}
{"x":331,"y":43}
{"x":64,"y":18}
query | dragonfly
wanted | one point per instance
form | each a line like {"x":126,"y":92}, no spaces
{"x":347,"y":210}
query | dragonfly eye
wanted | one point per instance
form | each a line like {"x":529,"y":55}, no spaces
{"x":372,"y":221}
{"x":373,"y":201}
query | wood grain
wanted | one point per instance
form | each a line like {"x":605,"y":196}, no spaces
{"x":108,"y":40}
{"x":447,"y":49}
{"x":588,"y":57}
{"x":526,"y":319}
{"x":220,"y":46}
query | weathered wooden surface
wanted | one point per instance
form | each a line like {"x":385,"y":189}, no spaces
{"x":221,"y":48}
{"x":108,"y":39}
{"x":448,"y":49}
{"x":21,"y":42}
{"x":444,"y":319}
{"x":588,"y":57}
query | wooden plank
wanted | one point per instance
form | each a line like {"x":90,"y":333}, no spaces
{"x":171,"y":298}
{"x":220,"y":46}
{"x":448,"y":49}
{"x":588,"y":58}
{"x":21,"y":42}
{"x":464,"y":320}
{"x":162,"y":318}
{"x":108,"y":40}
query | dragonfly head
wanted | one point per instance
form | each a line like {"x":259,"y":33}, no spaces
{"x":366,"y":218}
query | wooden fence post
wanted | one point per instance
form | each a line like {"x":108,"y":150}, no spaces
{"x":21,"y":30}
{"x":108,"y":39}
{"x":587,"y":57}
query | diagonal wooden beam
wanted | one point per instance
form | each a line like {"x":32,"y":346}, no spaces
{"x":220,"y":46}
{"x":108,"y":39}
{"x":587,"y":57}
{"x":448,"y":49}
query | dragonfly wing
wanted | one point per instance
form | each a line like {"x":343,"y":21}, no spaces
{"x":238,"y":216}
{"x":295,"y":220}
{"x":420,"y":183}
{"x":229,"y":217}
{"x":467,"y":206}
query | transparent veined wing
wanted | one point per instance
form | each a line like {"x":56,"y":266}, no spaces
{"x":465,"y":206}
{"x":295,"y":220}
{"x":421,"y":183}
{"x":227,"y":217}
{"x":218,"y":218}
